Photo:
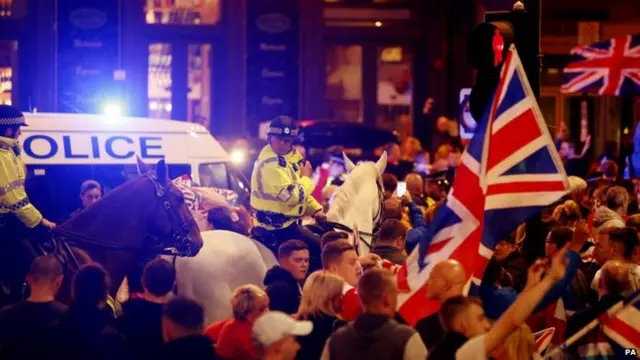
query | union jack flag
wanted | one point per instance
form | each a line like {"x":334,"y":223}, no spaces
{"x":624,"y":327}
{"x":508,"y":173}
{"x":611,"y":67}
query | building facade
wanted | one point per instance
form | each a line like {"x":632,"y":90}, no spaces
{"x":231,"y":64}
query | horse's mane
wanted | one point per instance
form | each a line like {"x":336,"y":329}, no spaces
{"x":361,"y":178}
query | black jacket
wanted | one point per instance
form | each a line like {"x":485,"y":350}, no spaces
{"x":283,"y":290}
{"x":311,"y":346}
{"x":196,"y":347}
{"x":141,"y":325}
{"x":430,"y":330}
{"x":390,"y":253}
{"x":447,"y":348}
{"x":87,"y":332}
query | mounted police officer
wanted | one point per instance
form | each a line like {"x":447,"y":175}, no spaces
{"x":281,"y":191}
{"x":17,"y":215}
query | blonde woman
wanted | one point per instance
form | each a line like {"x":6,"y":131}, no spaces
{"x":232,"y":337}
{"x":519,"y":345}
{"x":321,"y":303}
{"x":567,"y":214}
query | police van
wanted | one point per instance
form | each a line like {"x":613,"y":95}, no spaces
{"x":63,"y":150}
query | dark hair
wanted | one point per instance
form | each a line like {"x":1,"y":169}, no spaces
{"x":220,"y":218}
{"x":46,"y":268}
{"x":390,"y":230}
{"x":186,"y":313}
{"x":628,"y":237}
{"x":610,"y":169}
{"x":158,"y":277}
{"x":332,"y":236}
{"x":332,"y":252}
{"x":389,"y":182}
{"x":91,"y":285}
{"x":288,"y":247}
{"x":453,"y":307}
{"x":560,"y":236}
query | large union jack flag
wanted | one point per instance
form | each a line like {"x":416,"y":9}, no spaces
{"x":508,"y":173}
{"x":610,"y":67}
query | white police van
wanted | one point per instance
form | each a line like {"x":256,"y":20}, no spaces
{"x":63,"y":150}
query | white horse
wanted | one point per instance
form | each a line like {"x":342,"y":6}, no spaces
{"x":358,"y":202}
{"x":228,"y":260}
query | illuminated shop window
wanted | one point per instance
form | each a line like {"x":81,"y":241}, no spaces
{"x":182,"y":12}
{"x":8,"y":59}
{"x":199,"y":96}
{"x":159,"y":81}
{"x":344,"y":82}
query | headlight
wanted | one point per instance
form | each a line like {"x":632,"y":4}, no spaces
{"x":112,"y":109}
{"x":238,"y":156}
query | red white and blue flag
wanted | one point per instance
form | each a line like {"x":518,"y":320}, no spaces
{"x":543,"y":339}
{"x":624,"y":326}
{"x":509,"y":172}
{"x":610,"y":67}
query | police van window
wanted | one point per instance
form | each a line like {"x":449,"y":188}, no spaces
{"x":214,"y":175}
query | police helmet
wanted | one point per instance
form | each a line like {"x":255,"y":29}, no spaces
{"x":283,"y":126}
{"x":10,"y":116}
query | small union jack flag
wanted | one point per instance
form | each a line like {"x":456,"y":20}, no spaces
{"x":509,"y":172}
{"x":624,"y":327}
{"x":610,"y":67}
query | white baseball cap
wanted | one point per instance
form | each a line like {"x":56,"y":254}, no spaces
{"x":275,"y":325}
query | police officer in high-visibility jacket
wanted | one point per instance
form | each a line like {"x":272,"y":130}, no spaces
{"x":281,"y":188}
{"x":17,"y":214}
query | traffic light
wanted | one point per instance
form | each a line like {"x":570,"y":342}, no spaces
{"x":487,"y":49}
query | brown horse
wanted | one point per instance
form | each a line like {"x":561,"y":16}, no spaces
{"x":130,"y":225}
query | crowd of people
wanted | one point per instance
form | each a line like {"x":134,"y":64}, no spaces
{"x":561,"y":269}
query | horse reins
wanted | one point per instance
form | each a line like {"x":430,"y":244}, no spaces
{"x":177,"y":237}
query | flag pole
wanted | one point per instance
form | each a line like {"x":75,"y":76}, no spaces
{"x":590,"y":326}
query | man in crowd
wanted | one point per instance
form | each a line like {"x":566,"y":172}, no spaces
{"x":282,"y":190}
{"x":90,"y":193}
{"x":391,"y":242}
{"x":389,"y":185}
{"x":283,"y":282}
{"x":415,"y":188}
{"x":471,"y":336}
{"x":510,"y":263}
{"x":182,"y":326}
{"x":340,"y":258}
{"x":17,"y":214}
{"x":394,"y":209}
{"x":141,"y":321}
{"x":374,"y":334}
{"x":446,"y":280}
{"x":26,"y":328}
{"x":620,"y":245}
{"x":436,"y":186}
{"x":614,"y":282}
{"x":275,"y":333}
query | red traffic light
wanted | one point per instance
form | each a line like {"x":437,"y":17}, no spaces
{"x":488,"y":45}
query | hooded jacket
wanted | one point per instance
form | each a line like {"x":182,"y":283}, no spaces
{"x":605,"y":218}
{"x":283,"y":290}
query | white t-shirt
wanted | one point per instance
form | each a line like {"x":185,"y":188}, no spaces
{"x":475,"y":349}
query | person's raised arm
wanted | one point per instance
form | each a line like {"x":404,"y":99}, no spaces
{"x":524,"y":305}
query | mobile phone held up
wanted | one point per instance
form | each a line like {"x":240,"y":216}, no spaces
{"x":401,"y":189}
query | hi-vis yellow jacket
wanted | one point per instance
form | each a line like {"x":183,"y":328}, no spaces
{"x":279,"y":195}
{"x":13,"y":197}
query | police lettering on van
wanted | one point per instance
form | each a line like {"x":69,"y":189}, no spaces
{"x":84,"y":146}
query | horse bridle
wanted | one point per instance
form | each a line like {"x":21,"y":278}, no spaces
{"x":177,"y":244}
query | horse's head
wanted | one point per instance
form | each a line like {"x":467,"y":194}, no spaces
{"x":171,"y":227}
{"x":358,"y":202}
